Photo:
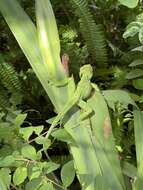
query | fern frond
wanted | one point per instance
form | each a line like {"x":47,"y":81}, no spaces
{"x":9,"y":77}
{"x":92,"y":33}
{"x":4,"y":100}
{"x":67,"y":33}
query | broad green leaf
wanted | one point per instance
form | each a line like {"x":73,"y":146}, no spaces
{"x":134,"y":74}
{"x":7,"y":161}
{"x":29,"y":152}
{"x":62,"y":135}
{"x":114,"y":96}
{"x":34,"y":184}
{"x":108,"y":167}
{"x":50,"y":167}
{"x":5,"y":176}
{"x":130,"y":32}
{"x":68,"y":173}
{"x":38,"y":129}
{"x":136,"y":63}
{"x":20,"y":119}
{"x":34,"y":171}
{"x":129,"y":3}
{"x":138,"y":84}
{"x":26,"y":35}
{"x":19,"y":175}
{"x":138,"y":127}
{"x":103,"y":141}
{"x":26,"y":132}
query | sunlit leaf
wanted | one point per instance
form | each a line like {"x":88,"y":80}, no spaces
{"x":34,"y":171}
{"x":48,"y":36}
{"x":20,"y":119}
{"x":26,"y":132}
{"x":134,"y":74}
{"x":115,"y":96}
{"x":29,"y":151}
{"x":20,"y":175}
{"x":68,"y":173}
{"x":136,"y":63}
{"x":5,"y":176}
{"x":26,"y":35}
{"x":130,"y":32}
{"x":138,"y":84}
{"x":129,"y":3}
{"x":140,"y":48}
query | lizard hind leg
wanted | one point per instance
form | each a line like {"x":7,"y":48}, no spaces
{"x":85,"y":110}
{"x":56,"y":121}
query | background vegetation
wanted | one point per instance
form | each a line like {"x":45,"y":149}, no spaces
{"x":106,"y":34}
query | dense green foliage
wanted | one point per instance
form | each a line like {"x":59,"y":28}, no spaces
{"x":109,"y":36}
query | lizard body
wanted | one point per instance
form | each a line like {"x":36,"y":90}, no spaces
{"x":81,"y":93}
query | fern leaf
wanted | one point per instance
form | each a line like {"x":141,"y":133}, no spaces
{"x":92,"y":33}
{"x":4,"y":102}
{"x":9,"y":77}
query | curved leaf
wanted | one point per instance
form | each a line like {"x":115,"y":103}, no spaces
{"x":20,"y":175}
{"x":68,"y":173}
{"x":138,"y":84}
{"x":136,"y":63}
{"x":129,"y":3}
{"x":5,"y":176}
{"x":134,"y":74}
{"x":29,"y":151}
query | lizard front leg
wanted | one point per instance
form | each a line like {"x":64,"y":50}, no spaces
{"x":61,"y":115}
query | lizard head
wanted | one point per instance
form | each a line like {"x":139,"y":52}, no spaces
{"x":86,"y":71}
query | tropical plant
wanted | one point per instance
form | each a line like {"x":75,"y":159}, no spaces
{"x":90,"y":138}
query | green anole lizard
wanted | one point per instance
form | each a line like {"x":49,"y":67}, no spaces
{"x":81,"y":93}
